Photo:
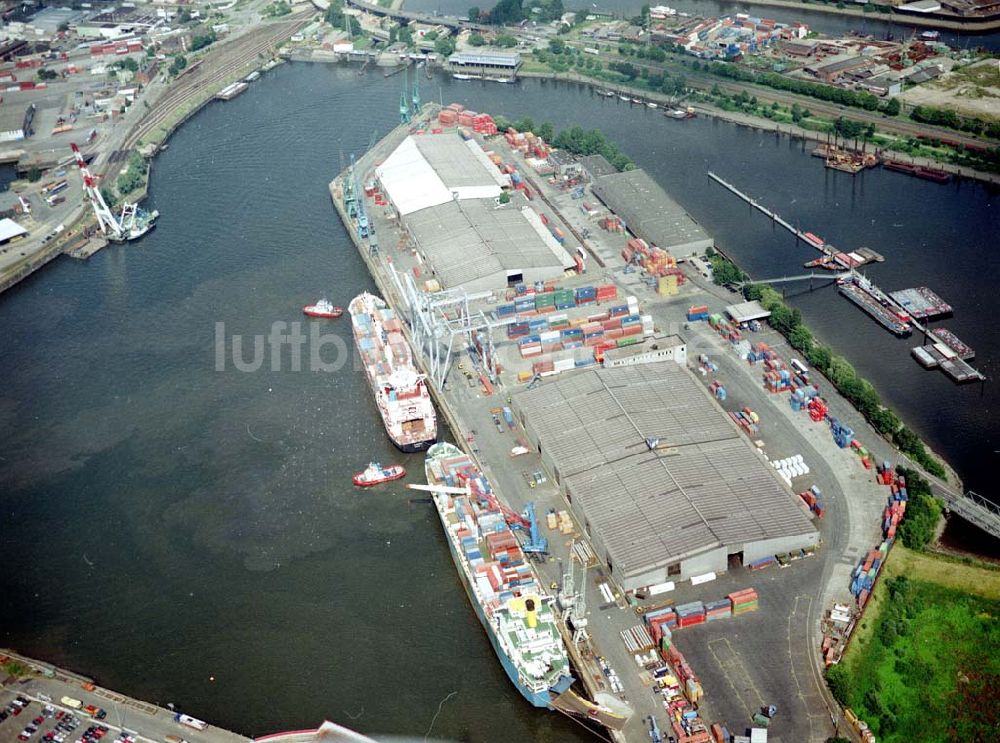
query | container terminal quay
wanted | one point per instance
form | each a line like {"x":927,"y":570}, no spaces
{"x":704,"y":530}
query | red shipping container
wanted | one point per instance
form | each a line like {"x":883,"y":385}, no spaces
{"x":607,"y":291}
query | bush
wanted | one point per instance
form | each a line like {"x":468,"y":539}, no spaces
{"x":132,"y":179}
{"x":839,"y":682}
{"x":444,"y":46}
{"x":200,"y":42}
{"x":725,"y":271}
{"x":178,"y":65}
{"x":923,"y":511}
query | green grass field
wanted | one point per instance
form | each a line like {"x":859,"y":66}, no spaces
{"x":925,"y":664}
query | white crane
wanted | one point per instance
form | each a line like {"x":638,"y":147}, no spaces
{"x":105,"y":219}
{"x":132,"y":223}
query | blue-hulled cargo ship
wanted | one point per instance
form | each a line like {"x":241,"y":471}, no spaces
{"x":506,"y":594}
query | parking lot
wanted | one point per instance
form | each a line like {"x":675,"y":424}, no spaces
{"x":24,"y":720}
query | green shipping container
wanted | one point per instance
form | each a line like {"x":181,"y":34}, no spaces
{"x":545,"y":300}
{"x":630,"y":341}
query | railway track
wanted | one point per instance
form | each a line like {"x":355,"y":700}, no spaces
{"x":212,"y":70}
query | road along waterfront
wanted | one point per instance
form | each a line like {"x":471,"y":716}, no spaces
{"x":226,"y":519}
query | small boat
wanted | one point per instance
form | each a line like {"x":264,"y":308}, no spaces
{"x":623,"y":97}
{"x":461,"y":76}
{"x":376,"y":474}
{"x":636,"y":100}
{"x":930,"y":35}
{"x":651,"y":104}
{"x":323,"y":308}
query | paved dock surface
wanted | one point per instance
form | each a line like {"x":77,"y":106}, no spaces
{"x":770,"y":656}
{"x":47,"y":685}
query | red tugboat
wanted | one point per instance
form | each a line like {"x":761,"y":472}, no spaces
{"x":323,"y":308}
{"x":376,"y":474}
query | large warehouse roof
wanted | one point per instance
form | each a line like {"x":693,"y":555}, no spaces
{"x":649,"y":212}
{"x":700,"y":488}
{"x":466,"y":241}
{"x":430,"y":170}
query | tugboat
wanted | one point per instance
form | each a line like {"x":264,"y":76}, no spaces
{"x":323,"y":308}
{"x":376,"y":474}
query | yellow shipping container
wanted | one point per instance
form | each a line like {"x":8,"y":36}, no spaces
{"x":667,"y":286}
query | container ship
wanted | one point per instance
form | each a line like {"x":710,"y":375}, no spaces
{"x":873,"y":300}
{"x":400,"y":392}
{"x":505,"y":592}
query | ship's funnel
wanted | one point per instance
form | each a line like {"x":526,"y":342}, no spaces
{"x":529,"y":610}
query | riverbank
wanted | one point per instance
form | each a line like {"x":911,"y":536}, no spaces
{"x":913,"y":19}
{"x":754,"y":122}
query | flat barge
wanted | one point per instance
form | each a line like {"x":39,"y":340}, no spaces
{"x":845,"y":261}
{"x":921,"y":303}
{"x":231,"y":91}
{"x":876,"y":303}
{"x":920,"y":171}
{"x":940,"y":356}
{"x":963,"y":350}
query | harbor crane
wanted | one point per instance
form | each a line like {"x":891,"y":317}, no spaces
{"x":404,"y":105}
{"x":415,"y":100}
{"x":526,"y":522}
{"x":132,"y":223}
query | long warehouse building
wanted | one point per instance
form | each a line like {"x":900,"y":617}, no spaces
{"x":649,"y":213}
{"x":662,"y":482}
{"x":446,"y":193}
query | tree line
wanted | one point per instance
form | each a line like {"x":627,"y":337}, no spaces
{"x":576,"y":140}
{"x":857,"y":390}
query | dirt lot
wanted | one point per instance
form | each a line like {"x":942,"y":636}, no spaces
{"x":974,"y":90}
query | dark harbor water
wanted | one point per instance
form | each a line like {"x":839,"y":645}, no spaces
{"x":165,"y":523}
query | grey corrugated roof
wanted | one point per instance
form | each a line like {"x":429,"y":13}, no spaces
{"x":652,"y":508}
{"x":649,"y":212}
{"x":468,"y":240}
{"x":506,"y":59}
{"x":597,"y":165}
{"x":453,"y":161}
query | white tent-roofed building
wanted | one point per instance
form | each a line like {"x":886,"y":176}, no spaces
{"x":10,"y":230}
{"x":446,"y":192}
{"x":428,"y":171}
